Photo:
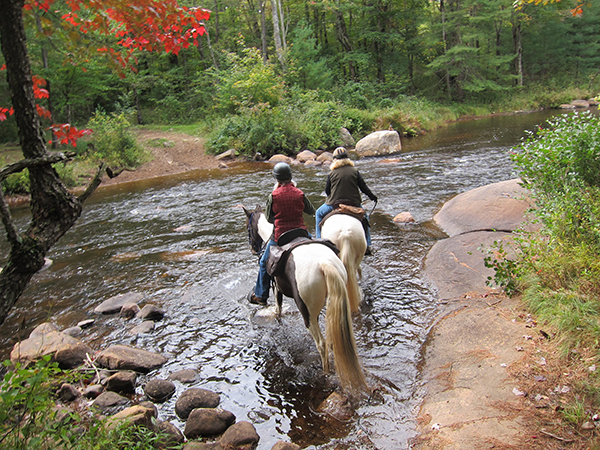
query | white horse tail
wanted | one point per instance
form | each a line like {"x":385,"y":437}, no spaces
{"x":348,"y":257}
{"x":339,"y":332}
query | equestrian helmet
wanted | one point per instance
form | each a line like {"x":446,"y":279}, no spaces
{"x":282,"y":171}
{"x":340,"y":153}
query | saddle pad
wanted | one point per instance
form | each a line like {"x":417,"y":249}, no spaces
{"x":278,"y":256}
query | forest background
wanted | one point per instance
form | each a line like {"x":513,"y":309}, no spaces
{"x":278,"y":77}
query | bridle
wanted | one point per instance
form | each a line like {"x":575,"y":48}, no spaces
{"x":256,"y":242}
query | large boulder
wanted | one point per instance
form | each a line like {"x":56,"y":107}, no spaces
{"x":385,"y":142}
{"x":121,"y":357}
{"x":44,"y":340}
{"x":456,"y":265}
{"x":499,"y":206}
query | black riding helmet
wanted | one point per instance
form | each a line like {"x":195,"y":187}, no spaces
{"x":282,"y":171}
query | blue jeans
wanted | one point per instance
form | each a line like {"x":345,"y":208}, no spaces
{"x":325,"y":209}
{"x":263,"y":281}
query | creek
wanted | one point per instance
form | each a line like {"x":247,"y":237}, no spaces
{"x":182,"y":242}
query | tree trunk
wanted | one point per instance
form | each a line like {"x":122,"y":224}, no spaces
{"x":53,"y":209}
{"x":263,"y":31}
{"x":516,"y":32}
{"x":277,"y":33}
{"x":342,"y":36}
{"x":445,"y":42}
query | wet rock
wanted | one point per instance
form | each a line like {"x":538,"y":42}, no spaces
{"x":150,"y":405}
{"x":185,"y":376}
{"x":346,"y":137}
{"x":280,"y":158}
{"x":580,"y":103}
{"x":93,"y":391}
{"x":305,"y":156}
{"x":337,"y":406}
{"x":73,"y":331}
{"x":313,"y":163}
{"x":71,"y":356}
{"x":114,"y":304}
{"x":285,"y":446}
{"x":122,"y":381}
{"x":195,"y":398}
{"x":121,"y":357}
{"x":43,"y":329}
{"x":129,"y":310}
{"x":151,"y":312}
{"x":222,"y":165}
{"x":47,"y":340}
{"x":145,"y":327}
{"x":110,"y":402}
{"x":240,"y":435}
{"x":195,"y":445}
{"x":68,"y":392}
{"x":205,"y":422}
{"x":379,"y":143}
{"x":325,"y":157}
{"x":404,"y":217}
{"x":86,"y":323}
{"x":134,"y":415}
{"x":159,"y":390}
{"x":229,"y":154}
{"x":173,"y":435}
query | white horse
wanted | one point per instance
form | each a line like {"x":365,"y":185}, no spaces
{"x":315,"y":276}
{"x":348,"y":234}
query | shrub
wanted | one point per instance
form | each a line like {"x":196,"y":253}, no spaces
{"x":112,"y":142}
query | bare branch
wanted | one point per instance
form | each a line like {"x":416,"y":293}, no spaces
{"x":19,"y":166}
{"x":11,"y":231}
{"x":94,"y":184}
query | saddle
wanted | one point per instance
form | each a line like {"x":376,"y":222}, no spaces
{"x":350,"y":210}
{"x":288,"y":241}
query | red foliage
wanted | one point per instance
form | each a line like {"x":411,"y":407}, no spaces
{"x":141,"y":25}
{"x":67,"y":134}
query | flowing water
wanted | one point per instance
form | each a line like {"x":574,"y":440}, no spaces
{"x":181,"y":242}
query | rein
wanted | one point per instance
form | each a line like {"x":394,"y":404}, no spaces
{"x":254,"y":237}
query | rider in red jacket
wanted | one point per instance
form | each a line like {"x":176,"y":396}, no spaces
{"x":285,"y":207}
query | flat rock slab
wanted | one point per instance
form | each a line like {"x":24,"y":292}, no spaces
{"x":469,"y":404}
{"x":121,"y":357}
{"x":456,"y":265}
{"x":114,"y":304}
{"x":499,"y":206}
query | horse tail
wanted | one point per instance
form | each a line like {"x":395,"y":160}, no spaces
{"x":339,"y":332}
{"x":349,"y":260}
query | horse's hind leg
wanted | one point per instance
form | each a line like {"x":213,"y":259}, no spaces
{"x":315,"y":332}
{"x":279,"y":297}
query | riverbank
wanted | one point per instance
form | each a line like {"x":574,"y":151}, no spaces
{"x":492,"y":375}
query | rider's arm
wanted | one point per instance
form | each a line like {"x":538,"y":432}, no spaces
{"x":364,"y":188}
{"x":269,"y":214}
{"x":308,"y":207}
{"x":328,"y":186}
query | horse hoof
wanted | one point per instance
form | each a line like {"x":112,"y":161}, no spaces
{"x":368,"y":251}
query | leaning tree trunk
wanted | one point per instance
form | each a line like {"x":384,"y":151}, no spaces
{"x":53,"y":209}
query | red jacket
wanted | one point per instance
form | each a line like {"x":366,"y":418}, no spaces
{"x":288,"y":204}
